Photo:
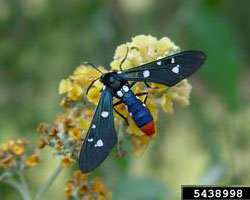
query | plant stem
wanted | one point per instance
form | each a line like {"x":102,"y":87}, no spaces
{"x":19,"y":187}
{"x":5,"y":175}
{"x":47,"y":185}
{"x":24,"y":186}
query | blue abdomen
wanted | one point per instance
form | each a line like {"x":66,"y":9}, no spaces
{"x":137,"y":109}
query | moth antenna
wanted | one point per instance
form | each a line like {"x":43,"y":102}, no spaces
{"x":123,"y":60}
{"x":91,"y":84}
{"x":92,"y":65}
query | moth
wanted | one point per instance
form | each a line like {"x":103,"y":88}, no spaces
{"x":101,"y":136}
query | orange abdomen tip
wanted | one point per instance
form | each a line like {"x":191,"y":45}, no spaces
{"x":149,"y":129}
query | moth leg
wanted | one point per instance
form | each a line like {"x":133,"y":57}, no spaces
{"x":143,"y":94}
{"x":149,"y":86}
{"x":123,"y":60}
{"x":117,"y":103}
{"x":121,"y":115}
{"x":91,"y":84}
{"x":132,"y":84}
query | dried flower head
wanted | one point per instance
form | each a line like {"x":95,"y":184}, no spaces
{"x":80,"y":187}
{"x":13,"y":155}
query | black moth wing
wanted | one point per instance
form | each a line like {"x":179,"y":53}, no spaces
{"x":101,"y":136}
{"x":167,"y":71}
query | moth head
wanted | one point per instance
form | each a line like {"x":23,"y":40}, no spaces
{"x":111,"y":80}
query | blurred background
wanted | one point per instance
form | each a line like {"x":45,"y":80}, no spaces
{"x":42,"y":41}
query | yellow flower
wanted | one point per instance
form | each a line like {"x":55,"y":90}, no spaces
{"x":32,"y":160}
{"x":43,"y":128}
{"x":83,"y":189}
{"x":65,"y":86}
{"x":76,"y":92}
{"x":85,"y":74}
{"x":139,"y":143}
{"x":4,"y":146}
{"x":101,"y":198}
{"x":107,"y":194}
{"x":8,"y":145}
{"x":65,"y":102}
{"x":164,"y":45}
{"x":167,"y":103}
{"x":182,"y":93}
{"x":153,"y":109}
{"x":59,"y":145}
{"x":98,"y":186}
{"x":75,"y":133}
{"x":94,"y":95}
{"x":68,"y":190}
{"x":88,"y":113}
{"x":21,"y":142}
{"x":133,"y":128}
{"x":120,"y":54}
{"x":79,"y":175}
{"x":18,"y":149}
{"x":147,"y":46}
{"x":83,"y":123}
{"x":88,"y":197}
{"x":42,"y":143}
{"x":67,"y":160}
{"x":2,"y":153}
{"x":7,"y":162}
{"x":158,"y":87}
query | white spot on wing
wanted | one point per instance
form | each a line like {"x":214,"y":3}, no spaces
{"x":105,"y":114}
{"x":158,"y":63}
{"x":131,"y":114}
{"x":104,"y":87}
{"x":176,"y":69}
{"x":99,"y":143}
{"x":137,"y":97}
{"x":93,"y":126}
{"x":119,"y":93}
{"x":125,"y":88}
{"x":146,"y":73}
{"x":119,"y":72}
{"x":172,"y":60}
{"x":90,"y":140}
{"x":144,"y":104}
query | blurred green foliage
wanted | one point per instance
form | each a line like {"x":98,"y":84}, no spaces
{"x":43,"y":41}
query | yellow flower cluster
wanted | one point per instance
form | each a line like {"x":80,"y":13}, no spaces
{"x":13,"y":155}
{"x":67,"y":133}
{"x":141,"y":49}
{"x":81,"y":188}
{"x":75,"y":86}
